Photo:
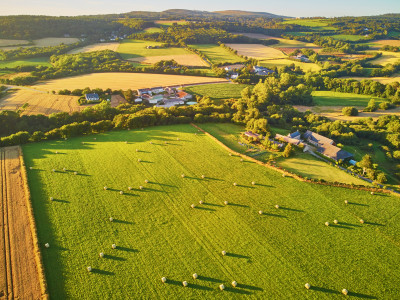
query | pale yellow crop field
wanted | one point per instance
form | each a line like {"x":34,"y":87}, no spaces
{"x":96,"y":47}
{"x":124,"y":81}
{"x":283,"y":43}
{"x":39,"y":102}
{"x":387,"y":58}
{"x":184,"y":60}
{"x":395,"y":43}
{"x":257,"y":51}
{"x":46,"y":42}
{"x":384,"y":80}
{"x":5,"y":42}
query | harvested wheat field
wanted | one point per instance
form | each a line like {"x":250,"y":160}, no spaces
{"x":46,"y":42}
{"x":5,"y":42}
{"x":117,"y":100}
{"x":96,"y":47}
{"x":257,"y":51}
{"x":184,"y":60}
{"x":395,"y":43}
{"x":39,"y":102}
{"x":124,"y":81}
{"x":384,"y":80}
{"x":21,"y":273}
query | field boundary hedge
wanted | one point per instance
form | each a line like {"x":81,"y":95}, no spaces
{"x":293,"y":175}
{"x":38,"y":255}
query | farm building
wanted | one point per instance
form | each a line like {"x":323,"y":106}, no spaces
{"x":295,"y":135}
{"x":317,"y":139}
{"x":302,"y":58}
{"x":234,"y":75}
{"x":252,"y":135}
{"x":183,"y":95}
{"x":157,"y":90}
{"x":92,"y":97}
{"x":235,"y":67}
{"x":262,"y":71}
{"x":289,"y":140}
{"x":142,"y":92}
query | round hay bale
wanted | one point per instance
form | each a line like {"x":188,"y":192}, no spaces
{"x":47,"y":245}
{"x":129,"y":188}
{"x":327,"y":224}
{"x":345,"y":292}
{"x":114,"y":246}
{"x":65,"y":139}
{"x":195,"y":276}
{"x":230,"y":154}
{"x":185,"y":283}
{"x":226,"y":202}
{"x":235,"y":184}
{"x":283,"y":175}
{"x":89,"y":269}
{"x":137,"y":150}
{"x":146,"y":181}
{"x":221,"y":287}
{"x":183,"y":175}
{"x":101,"y":254}
{"x":51,"y":198}
{"x":139,"y":160}
{"x":336,"y":221}
{"x":241,"y":159}
{"x":75,"y":173}
{"x":192,"y":206}
{"x":195,"y":133}
{"x":64,"y":169}
{"x":141,"y":187}
{"x":30,"y":168}
{"x":234,"y":283}
{"x":277,"y":206}
{"x":362,"y":221}
{"x":165,"y":143}
{"x":260,"y":212}
{"x":164,"y":279}
{"x":307,"y":286}
{"x":94,"y":138}
{"x":151,"y":142}
{"x":126,"y":142}
{"x":201,"y":202}
{"x":253,"y":183}
{"x":111,"y":219}
{"x":372,"y":193}
{"x":83,"y":143}
{"x":53,"y":170}
{"x":346,"y":202}
{"x":56,"y":152}
{"x":105,"y":188}
{"x":177,"y":139}
{"x":203,"y":176}
{"x":223,"y":252}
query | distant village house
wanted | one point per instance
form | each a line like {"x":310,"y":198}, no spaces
{"x":92,"y":97}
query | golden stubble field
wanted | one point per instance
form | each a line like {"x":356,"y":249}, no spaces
{"x":96,"y":47}
{"x":45,"y":42}
{"x":39,"y":102}
{"x":184,"y":60}
{"x":124,"y":81}
{"x":257,"y":51}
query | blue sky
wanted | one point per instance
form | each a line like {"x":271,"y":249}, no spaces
{"x":294,"y":8}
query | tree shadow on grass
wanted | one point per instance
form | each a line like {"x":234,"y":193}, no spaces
{"x":238,"y":205}
{"x":212,"y":204}
{"x":113,"y":257}
{"x":210,"y":279}
{"x":127,"y":249}
{"x":102,"y":272}
{"x":291,"y":209}
{"x":235,"y":255}
{"x":324,"y":290}
{"x":204,"y":208}
{"x":361,"y":295}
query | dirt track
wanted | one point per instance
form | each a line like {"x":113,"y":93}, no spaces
{"x":20,"y":270}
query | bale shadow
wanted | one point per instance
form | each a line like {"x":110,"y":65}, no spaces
{"x":359,"y":204}
{"x":123,"y":222}
{"x":127,"y":249}
{"x":359,"y":295}
{"x":129,"y":194}
{"x":230,"y":254}
{"x":210,"y":279}
{"x":146,"y":162}
{"x":199,"y":287}
{"x":212,"y":178}
{"x":245,"y":186}
{"x":61,"y":201}
{"x":113,"y":257}
{"x":341,"y":226}
{"x":273,"y":215}
{"x":249,"y":287}
{"x":204,"y":208}
{"x":349,"y":224}
{"x":373,"y":223}
{"x":264,"y":185}
{"x":174,"y":282}
{"x":237,"y":291}
{"x":213,"y":204}
{"x":162,"y":184}
{"x":324,"y":290}
{"x":151,"y":190}
{"x":102,"y":272}
{"x":238,"y":205}
{"x":290,"y":209}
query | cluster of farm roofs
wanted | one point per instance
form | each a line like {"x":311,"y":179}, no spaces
{"x":234,"y":70}
{"x":311,"y":142}
{"x":163,"y":96}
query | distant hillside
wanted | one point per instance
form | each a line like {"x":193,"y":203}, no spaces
{"x":248,"y":14}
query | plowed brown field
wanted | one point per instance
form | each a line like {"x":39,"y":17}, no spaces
{"x":20,"y":267}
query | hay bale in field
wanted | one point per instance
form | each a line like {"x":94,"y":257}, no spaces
{"x":193,"y":206}
{"x":111,"y":219}
{"x":141,"y":187}
{"x":185,"y":283}
{"x":56,"y":152}
{"x":114,"y":246}
{"x":183,"y":175}
{"x":345,"y":292}
{"x":260,"y":212}
{"x":30,"y":168}
{"x":126,"y":142}
{"x":105,"y":188}
{"x":277,"y":206}
{"x":283,"y":175}
{"x":226,"y":202}
{"x":241,"y":159}
{"x":137,"y":150}
{"x":307,"y":286}
{"x":203,"y":176}
{"x":177,"y":139}
{"x":94,"y":138}
{"x":221,"y":287}
{"x":151,"y":142}
{"x":47,"y":245}
{"x":195,"y":133}
{"x":327,"y":224}
{"x":75,"y":173}
{"x":164,"y":279}
{"x":65,"y":139}
{"x":235,"y":184}
{"x":51,"y":198}
{"x":234,"y":283}
{"x":195,"y":276}
{"x":223,"y":252}
{"x":146,"y":181}
{"x":53,"y":170}
{"x":101,"y":254}
{"x":346,"y":202}
{"x":336,"y":222}
{"x":121,"y":192}
{"x":83,"y":143}
{"x":165,"y":143}
{"x":230,"y":154}
{"x":361,"y":221}
{"x":372,"y":193}
{"x":64,"y":169}
{"x":89,"y":269}
{"x":129,"y":188}
{"x":139,"y":160}
{"x":253,"y":183}
{"x":201,"y":202}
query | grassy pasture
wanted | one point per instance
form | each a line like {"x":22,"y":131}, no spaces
{"x":96,"y":47}
{"x":348,"y":37}
{"x":153,"y":29}
{"x":123,"y":81}
{"x":217,"y":54}
{"x":387,"y":58}
{"x":286,"y":62}
{"x":384,"y":80}
{"x":52,"y":41}
{"x":217,"y":91}
{"x":328,"y":98}
{"x":36,"y":61}
{"x":315,"y":24}
{"x":157,"y":233}
{"x":135,"y":48}
{"x":167,"y":23}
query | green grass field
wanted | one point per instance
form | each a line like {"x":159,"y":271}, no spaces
{"x":135,"y":48}
{"x":217,"y":54}
{"x":217,"y":91}
{"x":153,"y":29}
{"x":286,"y":62}
{"x":157,"y":233}
{"x":348,"y":37}
{"x":328,"y":98}
{"x":37,"y":61}
{"x":315,"y":24}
